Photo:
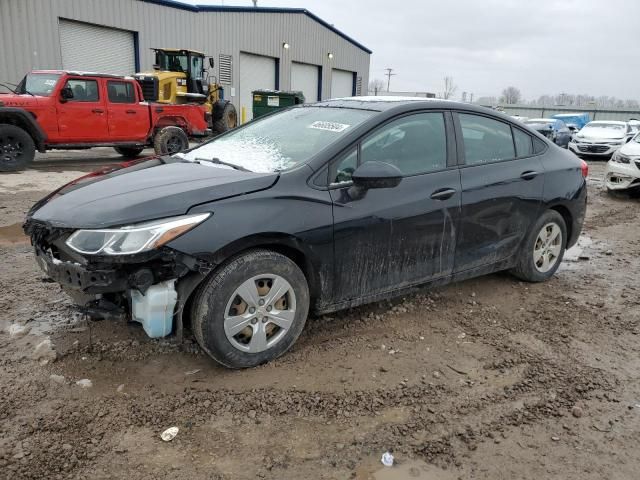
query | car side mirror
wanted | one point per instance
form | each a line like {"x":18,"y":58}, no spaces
{"x":211,"y":62}
{"x":376,"y":175}
{"x":66,"y":94}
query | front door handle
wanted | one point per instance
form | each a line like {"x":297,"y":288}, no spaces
{"x":97,"y":110}
{"x":443,"y":194}
{"x":131,"y":112}
{"x":529,"y":175}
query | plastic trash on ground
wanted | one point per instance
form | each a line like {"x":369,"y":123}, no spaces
{"x":387,"y":459}
{"x":169,"y":434}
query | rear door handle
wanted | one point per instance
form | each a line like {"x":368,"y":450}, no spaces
{"x":529,"y":175}
{"x":131,"y":112}
{"x":443,"y":194}
{"x":97,"y":110}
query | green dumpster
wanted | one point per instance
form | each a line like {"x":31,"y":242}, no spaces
{"x":267,"y":101}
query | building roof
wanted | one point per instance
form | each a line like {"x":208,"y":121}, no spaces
{"x":230,"y":8}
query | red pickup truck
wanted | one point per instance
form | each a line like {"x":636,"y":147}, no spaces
{"x":52,"y":109}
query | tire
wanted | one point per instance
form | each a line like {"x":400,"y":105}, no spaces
{"x":129,"y":152}
{"x":237,"y":344}
{"x":227,"y":121}
{"x":526,"y":268}
{"x":170,"y":140}
{"x":17,"y":149}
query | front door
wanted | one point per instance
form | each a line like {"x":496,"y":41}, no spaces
{"x":83,"y":118}
{"x":390,"y":238}
{"x":127,"y":118}
{"x":502,"y":183}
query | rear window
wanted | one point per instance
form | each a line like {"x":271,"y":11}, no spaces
{"x":120,"y":92}
{"x":524,"y":145}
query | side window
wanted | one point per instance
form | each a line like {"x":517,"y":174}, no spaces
{"x":120,"y":92}
{"x":524,"y":145}
{"x":83,"y":90}
{"x":538,"y":146}
{"x":415,"y":144}
{"x":485,"y":140}
{"x":346,"y":167}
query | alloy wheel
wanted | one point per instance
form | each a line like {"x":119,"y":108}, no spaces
{"x":10,"y":150}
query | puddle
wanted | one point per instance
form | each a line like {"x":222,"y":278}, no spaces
{"x":412,"y":470}
{"x":571,"y":259}
{"x":12,"y":235}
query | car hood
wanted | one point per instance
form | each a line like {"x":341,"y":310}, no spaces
{"x":632,"y":149}
{"x":141,"y":191}
{"x":600,"y":133}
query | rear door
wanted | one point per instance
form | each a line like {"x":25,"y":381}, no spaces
{"x":502,"y":185}
{"x":394,"y":237}
{"x":83,"y":118}
{"x":127,"y":118}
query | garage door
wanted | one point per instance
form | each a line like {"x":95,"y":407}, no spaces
{"x":304,"y":78}
{"x":256,"y":73}
{"x":91,"y":48}
{"x":341,"y":83}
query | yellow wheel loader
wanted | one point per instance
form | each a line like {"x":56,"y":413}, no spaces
{"x":179,"y":76}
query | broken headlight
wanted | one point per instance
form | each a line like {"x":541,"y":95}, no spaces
{"x":133,"y":238}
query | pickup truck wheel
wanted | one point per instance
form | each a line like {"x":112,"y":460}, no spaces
{"x":251,"y":310}
{"x":170,"y":140}
{"x":17,"y":149}
{"x":129,"y":152}
{"x":227,"y":121}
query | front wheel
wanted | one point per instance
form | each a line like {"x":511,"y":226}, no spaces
{"x":170,"y":140}
{"x":17,"y":149}
{"x":228,"y":117}
{"x":543,"y":249}
{"x":252,"y":310}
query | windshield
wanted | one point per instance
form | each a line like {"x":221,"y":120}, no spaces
{"x":38,"y":83}
{"x":173,"y":62}
{"x":609,"y":126}
{"x":282,"y":140}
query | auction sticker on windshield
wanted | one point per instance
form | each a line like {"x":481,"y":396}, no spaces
{"x":330,"y":126}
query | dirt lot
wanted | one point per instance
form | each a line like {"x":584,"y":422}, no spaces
{"x":487,"y":379}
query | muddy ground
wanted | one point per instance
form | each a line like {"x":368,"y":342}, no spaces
{"x":487,"y":379}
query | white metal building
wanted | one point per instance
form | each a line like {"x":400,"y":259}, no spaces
{"x":253,"y":47}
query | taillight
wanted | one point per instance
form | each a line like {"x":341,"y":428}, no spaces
{"x":584,"y":166}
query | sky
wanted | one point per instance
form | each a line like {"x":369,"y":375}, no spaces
{"x":541,"y":47}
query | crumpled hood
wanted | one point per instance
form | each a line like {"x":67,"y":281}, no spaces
{"x":632,"y":149}
{"x":143,"y":191}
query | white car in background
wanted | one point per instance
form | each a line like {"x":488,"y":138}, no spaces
{"x":601,"y":138}
{"x":623,"y":170}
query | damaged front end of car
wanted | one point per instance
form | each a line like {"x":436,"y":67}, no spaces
{"x":126,"y":271}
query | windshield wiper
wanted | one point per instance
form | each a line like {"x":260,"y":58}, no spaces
{"x":6,"y":85}
{"x":220,"y":162}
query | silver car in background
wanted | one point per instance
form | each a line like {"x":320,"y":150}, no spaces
{"x":623,"y":170}
{"x":601,"y":138}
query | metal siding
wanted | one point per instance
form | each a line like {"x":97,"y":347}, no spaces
{"x":24,"y":31}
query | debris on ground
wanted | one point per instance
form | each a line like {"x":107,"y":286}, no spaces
{"x":169,"y":434}
{"x":18,"y":331}
{"x":84,"y":383}
{"x":44,"y":352}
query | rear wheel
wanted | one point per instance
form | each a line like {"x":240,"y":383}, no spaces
{"x":251,"y":310}
{"x":227,"y":121}
{"x":129,"y":152}
{"x":17,"y":149}
{"x":543,"y":250}
{"x":170,"y":140}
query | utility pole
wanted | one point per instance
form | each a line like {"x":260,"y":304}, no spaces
{"x":464,"y":97}
{"x":471,"y":97}
{"x":389,"y":75}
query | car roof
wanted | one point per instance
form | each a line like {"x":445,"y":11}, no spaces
{"x":384,"y":103}
{"x":609,"y":122}
{"x":83,"y":74}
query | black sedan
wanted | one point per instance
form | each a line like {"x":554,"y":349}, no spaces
{"x":316,"y":208}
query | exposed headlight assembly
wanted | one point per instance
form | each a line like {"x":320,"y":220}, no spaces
{"x":131,"y":239}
